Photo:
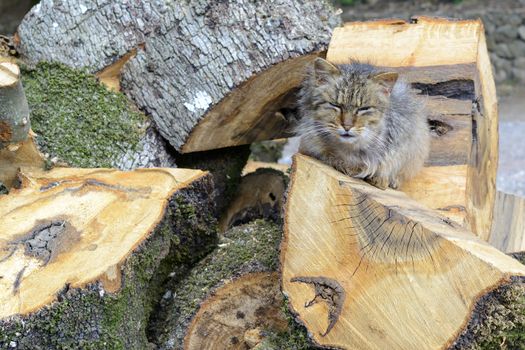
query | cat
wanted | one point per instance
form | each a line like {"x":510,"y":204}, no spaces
{"x":363,"y":121}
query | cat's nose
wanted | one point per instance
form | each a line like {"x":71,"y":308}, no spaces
{"x":347,"y":127}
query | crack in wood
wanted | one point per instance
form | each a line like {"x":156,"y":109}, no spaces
{"x":329,"y":291}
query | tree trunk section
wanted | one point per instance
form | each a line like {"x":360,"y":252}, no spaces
{"x":81,"y":252}
{"x":370,"y":269}
{"x":508,"y":228}
{"x":230,"y":297}
{"x":448,"y":62}
{"x":212,"y":74}
{"x":14,"y":111}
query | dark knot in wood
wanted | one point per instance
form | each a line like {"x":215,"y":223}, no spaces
{"x":329,"y":291}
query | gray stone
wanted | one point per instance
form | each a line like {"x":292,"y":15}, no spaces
{"x":518,"y":74}
{"x":500,"y":75}
{"x":519,"y":63}
{"x":513,"y":19}
{"x":503,"y":50}
{"x":521,"y":32}
{"x":517,"y":48}
{"x":505,"y":33}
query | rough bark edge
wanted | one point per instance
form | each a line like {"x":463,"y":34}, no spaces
{"x":236,"y":254}
{"x":498,"y":318}
{"x":14,"y":110}
{"x":90,"y":318}
{"x":477,"y":332}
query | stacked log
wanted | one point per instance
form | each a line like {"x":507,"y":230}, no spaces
{"x":81,"y":263}
{"x":448,"y":62}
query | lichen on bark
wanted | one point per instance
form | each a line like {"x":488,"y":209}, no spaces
{"x":77,"y":119}
{"x":90,"y":318}
{"x":498,"y":319}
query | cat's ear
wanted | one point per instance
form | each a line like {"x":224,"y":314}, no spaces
{"x":387,"y":80}
{"x":324,"y":71}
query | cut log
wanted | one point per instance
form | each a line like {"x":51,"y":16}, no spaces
{"x":24,"y":155}
{"x":370,"y":269}
{"x":82,"y":124}
{"x":259,"y":196}
{"x":14,"y":111}
{"x":225,"y":165}
{"x":508,"y":229}
{"x":227,"y":297}
{"x":212,"y":74}
{"x":81,"y":252}
{"x":449,"y":63}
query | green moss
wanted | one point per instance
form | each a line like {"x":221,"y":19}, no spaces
{"x":77,"y":119}
{"x":90,"y":318}
{"x":498,"y":321}
{"x":267,"y":151}
{"x":241,"y":249}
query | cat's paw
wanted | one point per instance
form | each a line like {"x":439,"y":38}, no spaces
{"x":378,"y":182}
{"x":395,"y":183}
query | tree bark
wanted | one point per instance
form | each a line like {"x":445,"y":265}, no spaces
{"x":82,"y":253}
{"x":230,"y":295}
{"x":365,"y":268}
{"x":14,"y":111}
{"x":211,"y":74}
{"x":448,"y":62}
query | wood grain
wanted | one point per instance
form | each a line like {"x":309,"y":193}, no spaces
{"x":370,"y":269}
{"x":448,"y":63}
{"x":76,"y":226}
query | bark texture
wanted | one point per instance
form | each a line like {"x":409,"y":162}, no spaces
{"x":101,"y":314}
{"x":191,"y":54}
{"x":14,"y":111}
{"x":362,"y":267}
{"x":243,"y":251}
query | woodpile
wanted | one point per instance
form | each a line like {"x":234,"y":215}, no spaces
{"x":195,"y":246}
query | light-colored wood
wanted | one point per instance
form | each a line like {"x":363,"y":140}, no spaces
{"x":110,"y":76}
{"x":483,"y":162}
{"x":448,"y":61}
{"x":370,"y":269}
{"x":76,"y":226}
{"x":429,"y":42}
{"x":508,"y":227}
{"x":441,"y":188}
{"x":23,"y":155}
{"x":242,"y":306}
{"x":252,"y":112}
{"x":9,"y":74}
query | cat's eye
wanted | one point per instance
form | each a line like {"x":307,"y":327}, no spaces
{"x":333,"y":106}
{"x":364,"y":110}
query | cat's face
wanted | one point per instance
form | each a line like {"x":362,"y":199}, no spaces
{"x":349,"y":106}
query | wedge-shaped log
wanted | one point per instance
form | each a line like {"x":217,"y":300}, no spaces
{"x":212,"y":74}
{"x":81,"y":250}
{"x":449,"y":63}
{"x":371,"y":269}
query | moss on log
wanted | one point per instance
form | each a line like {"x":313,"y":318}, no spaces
{"x":244,"y":250}
{"x":225,"y":165}
{"x":92,"y":310}
{"x":80,"y":122}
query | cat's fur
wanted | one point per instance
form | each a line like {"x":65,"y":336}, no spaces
{"x":364,"y":122}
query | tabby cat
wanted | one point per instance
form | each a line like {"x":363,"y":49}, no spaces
{"x":363,"y":121}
